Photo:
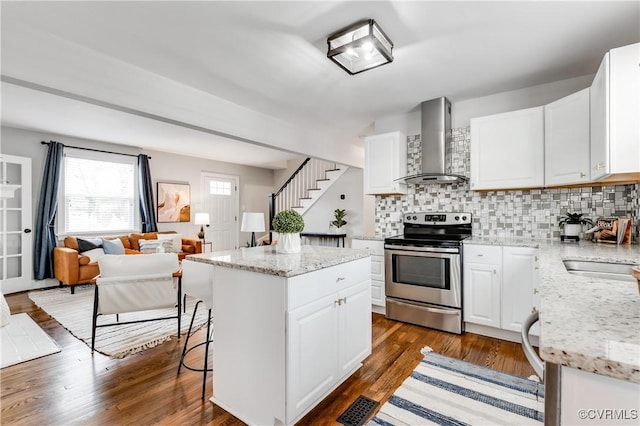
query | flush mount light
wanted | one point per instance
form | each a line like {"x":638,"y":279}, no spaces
{"x":360,"y":47}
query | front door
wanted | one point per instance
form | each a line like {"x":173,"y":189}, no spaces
{"x":220,"y":196}
{"x":16,"y":218}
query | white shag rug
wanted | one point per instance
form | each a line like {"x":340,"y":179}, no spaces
{"x":23,"y":340}
{"x":74,"y":312}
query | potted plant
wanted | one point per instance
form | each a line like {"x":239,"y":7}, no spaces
{"x":288,"y":224}
{"x":339,"y":221}
{"x":572,"y":224}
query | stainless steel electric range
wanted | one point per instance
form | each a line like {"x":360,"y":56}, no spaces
{"x":423,"y":270}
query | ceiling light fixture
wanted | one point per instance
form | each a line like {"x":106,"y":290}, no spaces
{"x":360,"y":47}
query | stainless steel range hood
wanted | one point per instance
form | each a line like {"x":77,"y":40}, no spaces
{"x":436,"y":136}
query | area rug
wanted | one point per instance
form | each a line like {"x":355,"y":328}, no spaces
{"x":447,"y":391}
{"x":74,"y":312}
{"x":23,"y":340}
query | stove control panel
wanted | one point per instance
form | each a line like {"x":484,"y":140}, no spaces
{"x":428,"y":218}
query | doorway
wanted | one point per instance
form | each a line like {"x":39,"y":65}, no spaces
{"x":16,"y":221}
{"x":221,"y":201}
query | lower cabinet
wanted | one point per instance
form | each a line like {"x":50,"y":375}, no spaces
{"x":499,"y":287}
{"x":377,"y":268}
{"x":327,"y":339}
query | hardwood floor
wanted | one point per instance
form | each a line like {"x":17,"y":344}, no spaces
{"x":74,"y":387}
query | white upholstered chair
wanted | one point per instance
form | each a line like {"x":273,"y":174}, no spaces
{"x":197,"y":281}
{"x":134,"y":283}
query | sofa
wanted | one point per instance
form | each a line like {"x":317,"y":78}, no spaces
{"x":72,"y":267}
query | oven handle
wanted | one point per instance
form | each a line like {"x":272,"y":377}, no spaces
{"x":422,"y":249}
{"x":429,"y":309}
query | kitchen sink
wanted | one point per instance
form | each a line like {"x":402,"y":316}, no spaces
{"x":606,"y":270}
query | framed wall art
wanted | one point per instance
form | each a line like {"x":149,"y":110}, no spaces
{"x":174,"y":202}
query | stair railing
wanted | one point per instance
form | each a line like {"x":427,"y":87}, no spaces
{"x":297,"y":187}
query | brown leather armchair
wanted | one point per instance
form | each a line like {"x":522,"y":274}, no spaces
{"x":71,"y":267}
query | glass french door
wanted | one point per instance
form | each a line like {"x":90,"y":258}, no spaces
{"x":16,"y":221}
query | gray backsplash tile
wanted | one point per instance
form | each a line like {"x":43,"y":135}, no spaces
{"x":530,"y":213}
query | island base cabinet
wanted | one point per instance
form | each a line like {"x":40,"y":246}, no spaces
{"x":592,"y":399}
{"x":327,"y":341}
{"x":282,"y":344}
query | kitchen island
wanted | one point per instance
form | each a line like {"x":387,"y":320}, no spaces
{"x":589,"y":332}
{"x":288,"y":328}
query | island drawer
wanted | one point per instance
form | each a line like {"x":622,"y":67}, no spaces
{"x":306,"y":288}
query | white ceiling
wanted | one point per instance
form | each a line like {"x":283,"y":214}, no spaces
{"x":262,"y":67}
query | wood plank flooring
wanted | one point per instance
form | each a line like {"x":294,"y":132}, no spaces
{"x":74,"y":387}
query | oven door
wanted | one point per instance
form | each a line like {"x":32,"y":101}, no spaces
{"x":424,"y":274}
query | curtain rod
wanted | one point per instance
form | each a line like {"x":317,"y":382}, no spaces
{"x":91,"y":149}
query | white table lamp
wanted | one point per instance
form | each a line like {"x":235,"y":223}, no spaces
{"x":201,"y":219}
{"x":252,"y":222}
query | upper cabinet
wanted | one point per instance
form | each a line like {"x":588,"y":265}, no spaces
{"x":385,"y":160}
{"x":566,"y":140}
{"x":507,"y":150}
{"x":615,"y":108}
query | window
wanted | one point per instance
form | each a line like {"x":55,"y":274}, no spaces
{"x":217,"y":187}
{"x":98,"y":193}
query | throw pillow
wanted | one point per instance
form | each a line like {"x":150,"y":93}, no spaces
{"x":114,"y":246}
{"x":94,"y":254}
{"x":149,"y":246}
{"x":176,"y":241}
{"x":86,"y":244}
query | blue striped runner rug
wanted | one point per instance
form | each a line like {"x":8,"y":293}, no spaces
{"x":447,"y":391}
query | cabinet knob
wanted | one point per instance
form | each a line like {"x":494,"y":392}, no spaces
{"x":495,"y":271}
{"x":582,"y":174}
{"x":339,"y":279}
{"x":535,"y":291}
{"x":534,"y":310}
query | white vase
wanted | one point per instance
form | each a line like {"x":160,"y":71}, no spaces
{"x":572,"y":229}
{"x":288,"y":243}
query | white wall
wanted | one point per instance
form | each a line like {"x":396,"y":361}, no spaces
{"x":462,"y":111}
{"x":255,"y":183}
{"x":317,"y":218}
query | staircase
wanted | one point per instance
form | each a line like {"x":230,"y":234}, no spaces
{"x":305,"y":186}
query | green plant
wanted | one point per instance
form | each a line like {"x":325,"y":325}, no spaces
{"x":288,"y":222}
{"x":574,"y":218}
{"x":339,"y":214}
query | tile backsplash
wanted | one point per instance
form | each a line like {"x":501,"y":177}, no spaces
{"x":530,"y":213}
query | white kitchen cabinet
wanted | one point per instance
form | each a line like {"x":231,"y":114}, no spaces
{"x":507,"y":150}
{"x":566,"y":140}
{"x":520,"y":281}
{"x":615,"y":108}
{"x":481,"y":295}
{"x":377,"y":268}
{"x":500,"y":288}
{"x":385,"y":161}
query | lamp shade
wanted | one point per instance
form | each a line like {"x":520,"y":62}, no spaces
{"x":202,"y":219}
{"x":252,"y":222}
{"x":360,"y":47}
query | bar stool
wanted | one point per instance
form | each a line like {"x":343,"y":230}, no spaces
{"x":197,"y":281}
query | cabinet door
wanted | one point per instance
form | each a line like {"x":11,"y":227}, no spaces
{"x":615,"y":107}
{"x":385,"y":161}
{"x":519,"y":279}
{"x":599,"y":101}
{"x":377,"y":280}
{"x":482,"y":294}
{"x":312,"y":352}
{"x":566,"y":139}
{"x":507,"y":150}
{"x":354,"y":322}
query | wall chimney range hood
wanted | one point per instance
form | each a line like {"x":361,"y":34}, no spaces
{"x":435,"y":136}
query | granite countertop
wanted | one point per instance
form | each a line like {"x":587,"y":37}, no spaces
{"x":265,"y":259}
{"x":591,"y":324}
{"x":368,"y":237}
